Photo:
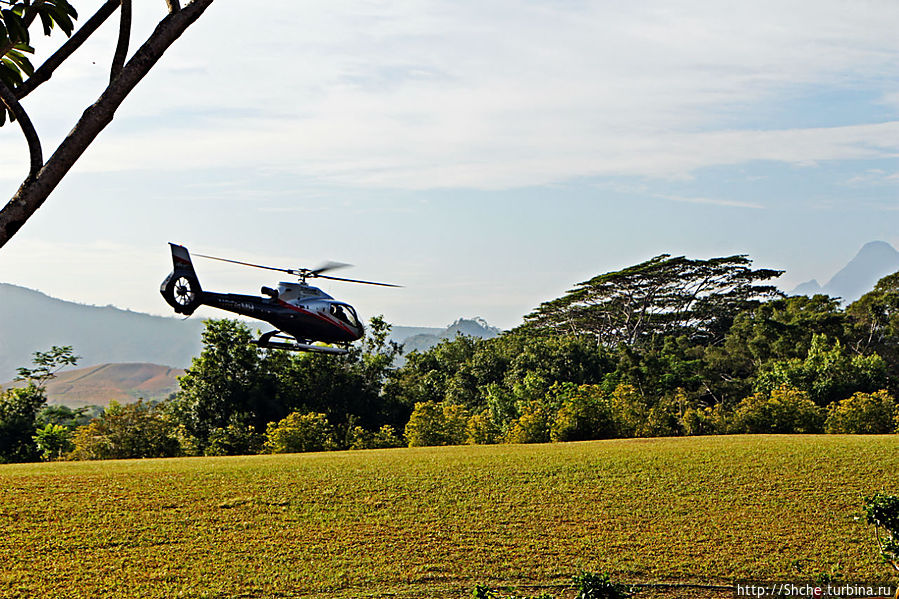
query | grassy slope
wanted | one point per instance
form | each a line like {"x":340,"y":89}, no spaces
{"x":98,"y":385}
{"x":422,"y":522}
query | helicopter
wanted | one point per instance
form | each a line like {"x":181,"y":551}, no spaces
{"x":301,"y":314}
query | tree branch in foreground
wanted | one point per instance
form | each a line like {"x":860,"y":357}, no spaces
{"x":45,"y":71}
{"x":32,"y":193}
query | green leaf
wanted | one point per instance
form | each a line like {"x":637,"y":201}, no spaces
{"x":59,"y":15}
{"x":11,"y":78}
{"x":68,"y":8}
{"x":15,"y":26}
{"x":21,"y":62}
{"x":46,"y":21}
{"x":11,"y":74}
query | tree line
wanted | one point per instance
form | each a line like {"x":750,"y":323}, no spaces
{"x":671,"y":346}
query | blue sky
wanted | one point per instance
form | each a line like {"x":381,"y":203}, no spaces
{"x":487,"y":156}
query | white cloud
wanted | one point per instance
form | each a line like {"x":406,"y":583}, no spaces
{"x":712,"y":202}
{"x":481,"y":163}
{"x":444,"y":94}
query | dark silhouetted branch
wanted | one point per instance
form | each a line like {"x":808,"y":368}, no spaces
{"x":45,"y":71}
{"x":34,"y":142}
{"x":35,"y":190}
{"x":121,"y":49}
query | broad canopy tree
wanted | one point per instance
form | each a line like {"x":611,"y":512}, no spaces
{"x":663,"y":296}
{"x":18,"y":78}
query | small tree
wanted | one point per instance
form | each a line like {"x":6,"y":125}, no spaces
{"x":53,"y":441}
{"x":227,"y":383}
{"x":18,"y":410}
{"x":298,"y":433}
{"x":704,"y":420}
{"x":19,"y":407}
{"x":863,"y":413}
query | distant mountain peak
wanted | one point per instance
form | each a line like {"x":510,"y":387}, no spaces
{"x":812,"y":287}
{"x":878,"y":246}
{"x":875,"y":260}
{"x":477,"y":323}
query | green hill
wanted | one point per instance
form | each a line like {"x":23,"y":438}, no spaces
{"x":124,"y":383}
{"x":31,"y":321}
{"x":433,"y":522}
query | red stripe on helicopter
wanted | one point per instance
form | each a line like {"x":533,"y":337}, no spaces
{"x":317,"y":315}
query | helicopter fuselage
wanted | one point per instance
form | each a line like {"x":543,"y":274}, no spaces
{"x":317,"y":318}
{"x":297,"y":310}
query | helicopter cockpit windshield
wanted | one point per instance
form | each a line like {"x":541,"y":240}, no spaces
{"x":345,"y":313}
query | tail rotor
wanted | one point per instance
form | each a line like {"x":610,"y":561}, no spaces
{"x":181,"y":289}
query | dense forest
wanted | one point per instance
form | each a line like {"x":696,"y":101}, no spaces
{"x":672,"y":346}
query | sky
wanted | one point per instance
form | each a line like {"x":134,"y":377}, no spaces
{"x":486,"y":156}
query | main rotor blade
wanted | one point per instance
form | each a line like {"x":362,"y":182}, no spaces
{"x":328,"y":266}
{"x":302,"y":272}
{"x":357,"y":281}
{"x":287,"y":270}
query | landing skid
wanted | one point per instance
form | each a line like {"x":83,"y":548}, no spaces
{"x":292,"y":344}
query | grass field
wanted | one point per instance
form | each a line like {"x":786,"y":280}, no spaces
{"x":433,"y":522}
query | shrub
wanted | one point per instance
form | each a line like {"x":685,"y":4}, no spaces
{"x":863,"y":413}
{"x":882,"y":511}
{"x":631,"y":413}
{"x":383,"y":438}
{"x":482,"y":430}
{"x":600,"y":586}
{"x":532,"y":426}
{"x":456,"y":418}
{"x":662,"y":420}
{"x":234,"y":439}
{"x":704,"y":421}
{"x":585,"y":414}
{"x":136,"y":430}
{"x":434,"y":423}
{"x":786,"y":410}
{"x":298,"y":433}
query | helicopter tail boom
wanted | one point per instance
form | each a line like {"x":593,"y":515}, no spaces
{"x":181,"y":289}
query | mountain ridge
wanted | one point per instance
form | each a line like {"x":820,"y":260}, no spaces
{"x":875,"y":260}
{"x":32,"y":321}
